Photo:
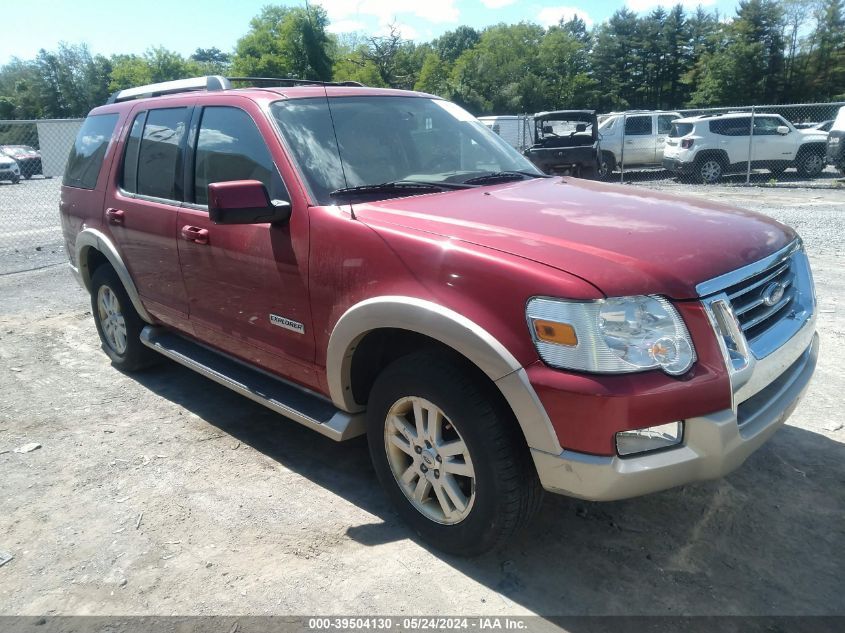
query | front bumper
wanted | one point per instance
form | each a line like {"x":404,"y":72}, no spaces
{"x":677,"y":166}
{"x":713,"y":445}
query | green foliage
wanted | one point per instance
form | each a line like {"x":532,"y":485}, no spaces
{"x":771,"y":51}
{"x":285,"y":42}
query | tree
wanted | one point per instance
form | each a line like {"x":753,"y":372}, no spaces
{"x":211,"y":61}
{"x":434,"y":75}
{"x":749,"y":67}
{"x":828,"y":58}
{"x":286,"y":42}
{"x":452,"y":44}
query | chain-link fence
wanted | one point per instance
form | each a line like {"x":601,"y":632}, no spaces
{"x":32,"y":160}
{"x":776,"y":145}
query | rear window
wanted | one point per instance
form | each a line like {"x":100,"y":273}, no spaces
{"x":681,"y":129}
{"x":88,"y":151}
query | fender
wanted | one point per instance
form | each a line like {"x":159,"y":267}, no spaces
{"x":92,"y":238}
{"x":452,"y":329}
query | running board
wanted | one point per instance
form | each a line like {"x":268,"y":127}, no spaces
{"x":282,"y":397}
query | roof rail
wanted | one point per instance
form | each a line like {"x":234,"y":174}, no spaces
{"x":291,"y":81}
{"x":215,"y":82}
{"x":211,"y":82}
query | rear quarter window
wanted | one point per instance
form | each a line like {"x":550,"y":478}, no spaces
{"x":88,"y":151}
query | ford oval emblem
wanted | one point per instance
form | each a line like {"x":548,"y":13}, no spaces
{"x":773,"y":293}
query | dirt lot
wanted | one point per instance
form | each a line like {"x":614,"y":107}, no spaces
{"x":163,"y":493}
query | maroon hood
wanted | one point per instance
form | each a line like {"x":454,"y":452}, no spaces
{"x":622,"y":240}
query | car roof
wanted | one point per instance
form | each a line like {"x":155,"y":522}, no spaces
{"x":722,"y":115}
{"x":264,"y":94}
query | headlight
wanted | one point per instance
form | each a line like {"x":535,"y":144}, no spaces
{"x":618,"y":335}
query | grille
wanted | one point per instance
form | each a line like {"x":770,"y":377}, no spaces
{"x":752,"y":303}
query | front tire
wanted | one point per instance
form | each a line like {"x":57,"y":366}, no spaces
{"x":449,"y":455}
{"x":811,"y":164}
{"x":118,"y":324}
{"x":608,"y":165}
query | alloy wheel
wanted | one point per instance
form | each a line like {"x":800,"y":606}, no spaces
{"x":111,"y":320}
{"x":710,"y":171}
{"x":429,"y":460}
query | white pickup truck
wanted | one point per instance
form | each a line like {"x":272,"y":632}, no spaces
{"x":634,"y":139}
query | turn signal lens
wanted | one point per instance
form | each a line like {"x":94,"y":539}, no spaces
{"x":558,"y":333}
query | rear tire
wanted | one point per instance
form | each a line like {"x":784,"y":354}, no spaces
{"x":16,"y":181}
{"x":709,"y":170}
{"x":450,"y":457}
{"x":118,"y":324}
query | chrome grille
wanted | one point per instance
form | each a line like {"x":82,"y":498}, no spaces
{"x":758,"y":302}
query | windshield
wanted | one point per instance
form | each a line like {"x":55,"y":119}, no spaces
{"x":390,"y":139}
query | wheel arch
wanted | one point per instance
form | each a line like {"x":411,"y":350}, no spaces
{"x":719,"y":154}
{"x":813,"y":146}
{"x":427,"y":321}
{"x":92,"y":248}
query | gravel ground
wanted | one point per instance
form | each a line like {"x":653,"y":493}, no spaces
{"x":163,"y":493}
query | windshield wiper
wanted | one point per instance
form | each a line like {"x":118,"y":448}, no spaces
{"x":398,"y":187}
{"x":501,"y":176}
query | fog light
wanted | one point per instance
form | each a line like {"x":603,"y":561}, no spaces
{"x":652,"y":438}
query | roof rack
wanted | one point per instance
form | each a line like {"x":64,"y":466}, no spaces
{"x":213,"y":83}
{"x":292,"y":81}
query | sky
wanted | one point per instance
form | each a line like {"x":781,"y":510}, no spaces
{"x":115,"y":26}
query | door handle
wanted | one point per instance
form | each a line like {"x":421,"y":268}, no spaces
{"x":115,"y":216}
{"x":195,"y":234}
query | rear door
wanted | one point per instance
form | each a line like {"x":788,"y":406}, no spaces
{"x":639,"y":140}
{"x":141,"y":210}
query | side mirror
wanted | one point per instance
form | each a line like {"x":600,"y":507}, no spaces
{"x":548,"y":129}
{"x":244,"y":202}
{"x":580,"y":127}
{"x":783,"y":130}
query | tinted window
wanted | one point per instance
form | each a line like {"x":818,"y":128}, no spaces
{"x":88,"y":151}
{"x":731,"y":127}
{"x":638,"y":126}
{"x":664,"y":123}
{"x":766,"y":125}
{"x":230,"y":147}
{"x":160,"y":154}
{"x":129,"y":180}
{"x":681,"y":129}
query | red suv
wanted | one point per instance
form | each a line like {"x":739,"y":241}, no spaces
{"x":378,"y":261}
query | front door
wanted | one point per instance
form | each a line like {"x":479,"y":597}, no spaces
{"x":769,"y":145}
{"x":247,"y":284}
{"x":638,"y":140}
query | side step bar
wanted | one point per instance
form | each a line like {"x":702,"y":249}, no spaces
{"x":282,"y":397}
